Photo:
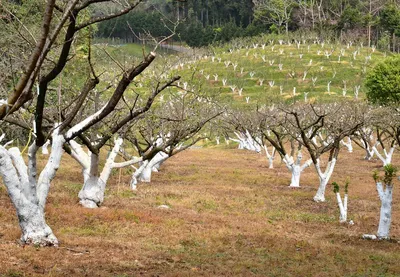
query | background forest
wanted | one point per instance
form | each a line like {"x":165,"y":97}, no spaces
{"x":203,"y":22}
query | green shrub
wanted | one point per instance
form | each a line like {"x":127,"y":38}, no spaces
{"x":383,"y":82}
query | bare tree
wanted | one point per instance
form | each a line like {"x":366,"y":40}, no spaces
{"x":276,"y":131}
{"x":277,"y":12}
{"x":320,"y":129}
{"x":92,"y":192}
{"x":28,"y":190}
{"x":172,"y":128}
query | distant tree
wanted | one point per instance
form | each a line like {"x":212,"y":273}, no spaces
{"x":390,"y":20}
{"x":276,"y":12}
{"x":193,"y":34}
{"x":350,"y":18}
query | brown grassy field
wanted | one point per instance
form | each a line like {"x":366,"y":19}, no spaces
{"x":230,"y":216}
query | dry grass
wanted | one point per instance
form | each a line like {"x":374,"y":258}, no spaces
{"x":230,"y":216}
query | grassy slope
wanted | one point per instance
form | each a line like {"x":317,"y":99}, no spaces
{"x":348,"y":69}
{"x":230,"y":215}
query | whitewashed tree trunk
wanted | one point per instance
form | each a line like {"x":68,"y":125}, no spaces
{"x":386,"y":158}
{"x":136,"y":174}
{"x":45,"y":151}
{"x":239,"y":141}
{"x":146,"y":171}
{"x":385,"y":195}
{"x":348,"y":144}
{"x":145,"y":175}
{"x":161,"y":158}
{"x":296,"y":168}
{"x":323,"y":179}
{"x":270,"y":156}
{"x":92,"y":193}
{"x":246,"y":141}
{"x":295,"y":180}
{"x":28,"y":195}
{"x":369,"y":153}
{"x":342,"y":207}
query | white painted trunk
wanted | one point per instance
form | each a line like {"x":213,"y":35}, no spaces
{"x":145,"y":175}
{"x":136,"y":174}
{"x":159,"y":159}
{"x":33,"y":225}
{"x":342,"y":207}
{"x":92,"y":193}
{"x":320,"y":195}
{"x":270,"y":156}
{"x":45,"y":151}
{"x":28,"y":195}
{"x":385,"y":218}
{"x":348,"y":144}
{"x":386,"y":158}
{"x":296,"y":168}
{"x":30,"y":215}
{"x":271,"y":162}
{"x":368,"y":154}
{"x":146,"y":169}
{"x":323,"y":179}
{"x":295,"y":180}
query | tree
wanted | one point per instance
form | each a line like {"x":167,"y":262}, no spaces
{"x":383,"y":82}
{"x":172,"y":127}
{"x":385,"y":195}
{"x":276,"y":12}
{"x":350,"y":18}
{"x":27,"y":192}
{"x":342,"y":204}
{"x":320,"y":128}
{"x":390,"y":20}
{"x":92,"y":192}
{"x":276,"y":131}
{"x":384,"y":186}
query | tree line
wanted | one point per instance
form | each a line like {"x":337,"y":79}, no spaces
{"x":375,"y":22}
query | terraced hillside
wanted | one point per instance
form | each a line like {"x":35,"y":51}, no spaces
{"x":285,"y":71}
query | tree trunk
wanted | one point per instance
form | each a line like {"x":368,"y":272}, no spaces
{"x":323,"y":179}
{"x":28,"y":195}
{"x":296,"y":168}
{"x":386,"y":210}
{"x":271,"y":162}
{"x":92,"y":192}
{"x":145,"y":175}
{"x":296,"y":172}
{"x":320,"y":195}
{"x":386,"y":158}
{"x":342,"y":207}
{"x":33,"y":225}
{"x":137,"y":173}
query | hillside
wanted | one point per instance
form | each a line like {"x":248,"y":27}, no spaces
{"x":288,"y":72}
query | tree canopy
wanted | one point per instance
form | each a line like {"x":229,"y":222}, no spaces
{"x":383,"y":82}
